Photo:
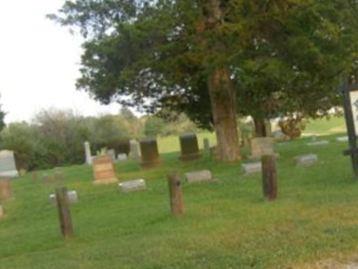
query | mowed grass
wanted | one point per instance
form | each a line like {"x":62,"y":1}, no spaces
{"x":227,"y":224}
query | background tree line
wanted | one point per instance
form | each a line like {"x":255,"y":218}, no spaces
{"x":56,"y":137}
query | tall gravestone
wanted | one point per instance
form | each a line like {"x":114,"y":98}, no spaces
{"x":149,"y":152}
{"x":189,"y":147}
{"x":7,"y":164}
{"x":88,"y":154}
{"x":103,"y":170}
{"x":134,"y":152}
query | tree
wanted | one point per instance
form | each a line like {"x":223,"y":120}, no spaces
{"x":278,"y":57}
{"x":157,"y":51}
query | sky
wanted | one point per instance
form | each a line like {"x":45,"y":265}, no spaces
{"x":39,"y":63}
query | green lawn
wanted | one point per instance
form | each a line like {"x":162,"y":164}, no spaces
{"x":227,"y":224}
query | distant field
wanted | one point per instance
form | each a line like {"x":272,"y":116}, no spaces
{"x":227,"y":224}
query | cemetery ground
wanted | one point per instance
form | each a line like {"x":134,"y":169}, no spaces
{"x":227,"y":224}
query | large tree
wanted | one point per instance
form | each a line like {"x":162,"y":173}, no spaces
{"x":277,"y":56}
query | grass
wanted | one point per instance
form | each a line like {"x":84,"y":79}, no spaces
{"x":226,"y":225}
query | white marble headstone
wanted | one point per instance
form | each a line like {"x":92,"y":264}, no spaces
{"x":72,"y":197}
{"x":7,"y":164}
{"x":252,"y":168}
{"x":134,"y":152}
{"x":88,"y":154}
{"x":133,"y":185}
{"x":198,"y":176}
{"x":122,"y":157}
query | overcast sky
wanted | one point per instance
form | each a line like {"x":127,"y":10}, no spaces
{"x":39,"y":62}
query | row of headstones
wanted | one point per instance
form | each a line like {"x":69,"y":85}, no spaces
{"x":147,"y":150}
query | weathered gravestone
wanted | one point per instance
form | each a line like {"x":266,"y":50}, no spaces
{"x":318,"y":143}
{"x":5,"y":189}
{"x":103,"y":170}
{"x":72,"y":197}
{"x":149,"y":152}
{"x":112,"y":154}
{"x":199,"y":176}
{"x":122,"y":157}
{"x":1,"y":212}
{"x":252,"y":168}
{"x":342,"y":139}
{"x":261,"y":146}
{"x":189,"y":147}
{"x":133,"y":185}
{"x":7,"y":164}
{"x":306,"y":160}
{"x":88,"y":154}
{"x":134,"y":152}
{"x":206,"y":143}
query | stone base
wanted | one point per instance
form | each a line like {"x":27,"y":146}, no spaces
{"x":9,"y":174}
{"x":190,"y":157}
{"x":105,"y":181}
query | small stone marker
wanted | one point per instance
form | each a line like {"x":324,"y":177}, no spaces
{"x":189,"y":147}
{"x":72,"y":197}
{"x":112,"y":153}
{"x":261,"y":146}
{"x":122,"y":157}
{"x":318,"y":143}
{"x":7,"y":164}
{"x":149,"y":152}
{"x":88,"y":154}
{"x":342,"y":139}
{"x":1,"y":212}
{"x":199,"y":176}
{"x":133,"y":185}
{"x":206,"y":144}
{"x":103,"y":170}
{"x":5,"y":189}
{"x":306,"y":160}
{"x":252,"y":168}
{"x":134,"y":152}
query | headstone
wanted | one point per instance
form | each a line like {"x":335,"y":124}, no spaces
{"x":252,"y":168}
{"x":189,"y":147}
{"x":7,"y":164}
{"x":134,"y":153}
{"x":122,"y":157}
{"x":88,"y":154}
{"x":112,"y":153}
{"x":103,"y":170}
{"x":133,"y":185}
{"x":342,"y":139}
{"x":261,"y":146}
{"x":5,"y":189}
{"x":306,"y":160}
{"x":199,"y":176}
{"x":72,"y":197}
{"x":1,"y":212}
{"x":149,"y":152}
{"x":206,"y":143}
{"x":279,"y":136}
{"x":318,"y":143}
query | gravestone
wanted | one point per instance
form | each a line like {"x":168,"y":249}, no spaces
{"x":5,"y":189}
{"x":103,"y":170}
{"x":252,"y":168}
{"x":72,"y":197}
{"x":342,"y":139}
{"x":199,"y":176}
{"x":133,"y":185}
{"x":112,"y":153}
{"x":88,"y":154}
{"x":318,"y":143}
{"x":189,"y":147}
{"x":206,"y":143}
{"x":122,"y":157}
{"x":1,"y":212}
{"x":134,"y":152}
{"x":261,"y":146}
{"x":149,"y":152}
{"x":7,"y":164}
{"x":306,"y":160}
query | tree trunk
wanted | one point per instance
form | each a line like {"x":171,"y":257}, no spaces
{"x":260,"y":127}
{"x":223,"y":102}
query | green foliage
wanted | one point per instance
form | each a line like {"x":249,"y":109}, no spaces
{"x":154,"y":126}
